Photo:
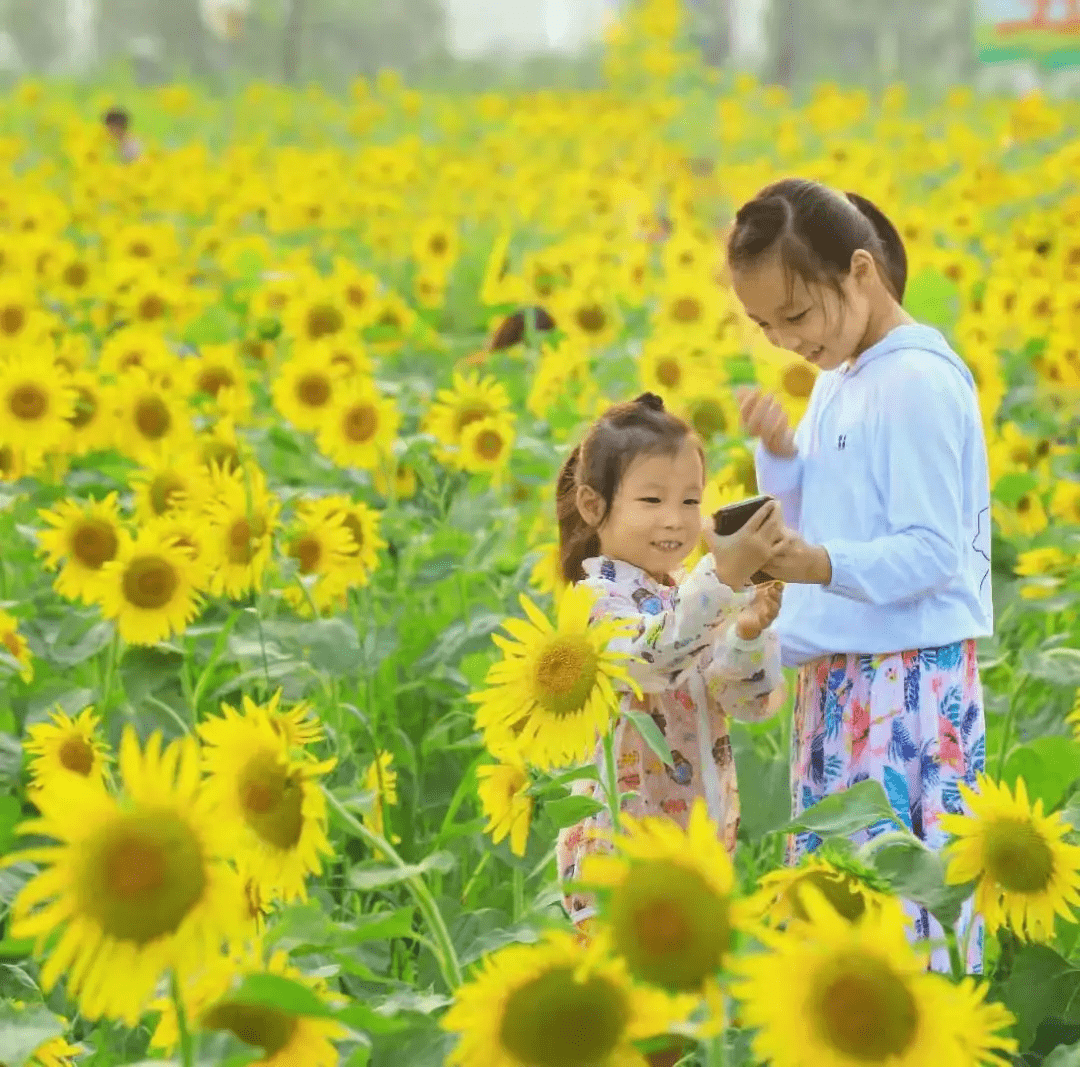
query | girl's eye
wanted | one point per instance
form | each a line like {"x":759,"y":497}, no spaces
{"x":649,"y":499}
{"x":691,"y":502}
{"x":798,"y":318}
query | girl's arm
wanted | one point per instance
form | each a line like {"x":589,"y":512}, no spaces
{"x":919,"y":469}
{"x":743,"y":674}
{"x":664,"y":643}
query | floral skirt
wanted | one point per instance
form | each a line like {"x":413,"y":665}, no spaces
{"x":913,"y":721}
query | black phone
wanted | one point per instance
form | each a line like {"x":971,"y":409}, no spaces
{"x":732,"y":518}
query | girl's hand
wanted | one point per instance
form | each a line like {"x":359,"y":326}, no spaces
{"x":743,"y":554}
{"x":796,"y":561}
{"x":763,"y":417}
{"x":761,"y":612}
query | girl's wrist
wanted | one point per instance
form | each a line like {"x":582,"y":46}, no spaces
{"x":821,"y":565}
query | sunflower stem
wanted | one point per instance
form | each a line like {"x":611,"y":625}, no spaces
{"x":518,"y":880}
{"x":1006,"y":733}
{"x":110,"y":671}
{"x":447,"y":958}
{"x":611,"y":784}
{"x":187,"y":1051}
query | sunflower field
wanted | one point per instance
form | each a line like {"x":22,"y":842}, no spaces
{"x":292,"y":699}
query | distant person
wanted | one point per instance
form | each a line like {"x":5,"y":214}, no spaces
{"x":118,"y":124}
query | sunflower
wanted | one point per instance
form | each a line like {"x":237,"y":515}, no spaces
{"x":486,"y":445}
{"x":503,"y":790}
{"x":360,"y":427}
{"x":711,"y":410}
{"x":850,"y":889}
{"x":36,"y":402}
{"x":837,"y":994}
{"x":168,"y":483}
{"x":553,"y":1004}
{"x":358,"y":289}
{"x":136,"y":886}
{"x":218,"y":373}
{"x":1026,"y":517}
{"x":688,"y":308}
{"x":65,"y":746}
{"x":668,"y":367}
{"x":1065,"y":503}
{"x":151,"y":588}
{"x":361,"y":553}
{"x":92,"y":423}
{"x":553,"y":688}
{"x":304,"y":389}
{"x":404,"y":481}
{"x":470,"y":399}
{"x":17,"y":463}
{"x":983,"y":1043}
{"x":53,"y":1052}
{"x":151,"y":418}
{"x":241,"y":517}
{"x":345,"y":356}
{"x":298,"y":725}
{"x":666,"y":900}
{"x":587,"y":317}
{"x":1027,"y":873}
{"x":392,"y":321}
{"x":321,"y":545}
{"x":789,"y":377}
{"x":84,"y":538}
{"x":380,"y":779}
{"x":134,"y":348}
{"x":270,"y":799}
{"x":285,"y":1039}
{"x":435,"y":244}
{"x":547,"y":575}
{"x":317,"y":313}
{"x":14,"y":644}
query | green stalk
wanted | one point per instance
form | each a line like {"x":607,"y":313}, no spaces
{"x":611,"y":785}
{"x":187,"y":1051}
{"x":447,"y":958}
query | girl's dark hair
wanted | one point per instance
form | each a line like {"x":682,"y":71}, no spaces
{"x":624,"y":432}
{"x":815,"y":231}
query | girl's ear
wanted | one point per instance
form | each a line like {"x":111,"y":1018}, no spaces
{"x":863,"y":266}
{"x":590,"y":505}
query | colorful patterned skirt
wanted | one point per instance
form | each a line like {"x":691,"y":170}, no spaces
{"x":914,"y":721}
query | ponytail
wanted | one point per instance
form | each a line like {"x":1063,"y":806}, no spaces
{"x":578,"y":541}
{"x":894,"y":261}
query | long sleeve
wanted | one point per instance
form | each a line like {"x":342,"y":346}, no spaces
{"x":783,"y":478}
{"x":665,"y":642}
{"x":918,"y":453}
{"x":743,"y":674}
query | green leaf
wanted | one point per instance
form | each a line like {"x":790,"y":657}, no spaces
{"x":1063,"y":1057}
{"x":857,"y":808}
{"x":378,"y":876}
{"x":276,"y":991}
{"x":1060,"y":666}
{"x":932,"y":297}
{"x":917,"y":873}
{"x":1042,"y":985}
{"x":650,"y":733}
{"x":11,"y":758}
{"x":24,"y":1030}
{"x":10,"y":817}
{"x":1048,"y":765}
{"x":571,"y":810}
{"x":1009,"y":488}
{"x":764,"y":787}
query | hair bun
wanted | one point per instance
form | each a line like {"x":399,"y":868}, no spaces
{"x":771,"y":209}
{"x":651,"y":401}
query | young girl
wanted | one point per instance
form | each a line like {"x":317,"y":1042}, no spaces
{"x":885,"y":481}
{"x":629,"y":509}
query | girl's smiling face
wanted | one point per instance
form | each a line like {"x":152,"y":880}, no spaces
{"x":655,"y":517}
{"x":824,"y":327}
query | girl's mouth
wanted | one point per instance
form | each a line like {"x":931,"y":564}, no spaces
{"x":667,"y":546}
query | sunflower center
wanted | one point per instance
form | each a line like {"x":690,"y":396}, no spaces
{"x":264,"y":1028}
{"x":438,"y":244}
{"x":152,"y":307}
{"x":313,"y":390}
{"x":152,"y":417}
{"x":150,"y":582}
{"x":489,"y":445}
{"x":94,"y":543}
{"x":686,"y":309}
{"x":709,"y":419}
{"x":669,"y":373}
{"x":28,"y":401}
{"x":7,"y":460}
{"x":565,"y":674}
{"x":242,"y":539}
{"x":838,"y":892}
{"x":356,"y":528}
{"x":11,"y":643}
{"x":324,"y":320}
{"x":307,"y":550}
{"x":162,"y":490}
{"x":356,"y":295}
{"x":12,"y":319}
{"x":76,"y":275}
{"x":221,"y":454}
{"x":272,"y":800}
{"x":470,"y":414}
{"x":213,"y":379}
{"x":798,"y":380}
{"x":142,"y":874}
{"x":866,"y":1011}
{"x":553,"y":1021}
{"x":1017,"y":856}
{"x":77,"y":755}
{"x":360,"y":424}
{"x":591,"y":318}
{"x":86,"y":407}
{"x":670,"y":926}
